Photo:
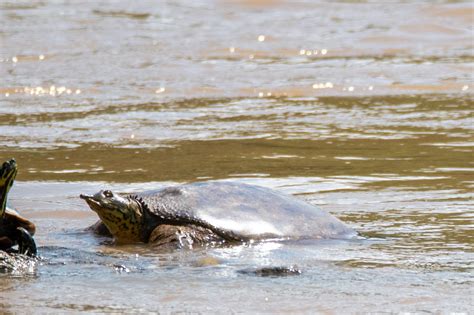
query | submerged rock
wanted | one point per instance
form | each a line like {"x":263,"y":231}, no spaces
{"x":272,"y":271}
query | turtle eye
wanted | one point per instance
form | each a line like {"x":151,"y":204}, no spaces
{"x":108,"y":194}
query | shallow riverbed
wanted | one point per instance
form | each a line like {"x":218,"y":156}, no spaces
{"x":363,"y":109}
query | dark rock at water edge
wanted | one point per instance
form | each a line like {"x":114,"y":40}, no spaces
{"x":272,"y":271}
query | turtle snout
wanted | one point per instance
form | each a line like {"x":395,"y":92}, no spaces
{"x":92,"y":201}
{"x":85,"y":197}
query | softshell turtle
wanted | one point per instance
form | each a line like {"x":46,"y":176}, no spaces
{"x":210,"y":212}
{"x":14,"y":229}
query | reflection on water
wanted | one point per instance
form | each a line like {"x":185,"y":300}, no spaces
{"x":364,"y":109}
{"x":222,"y":48}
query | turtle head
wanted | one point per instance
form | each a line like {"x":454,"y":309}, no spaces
{"x":7,"y":176}
{"x":123,"y":216}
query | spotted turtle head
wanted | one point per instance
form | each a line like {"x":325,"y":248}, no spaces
{"x":123,"y":216}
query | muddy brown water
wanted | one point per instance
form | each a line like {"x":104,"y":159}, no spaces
{"x":363,"y":109}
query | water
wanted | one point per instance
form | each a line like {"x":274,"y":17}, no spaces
{"x":364,"y":109}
